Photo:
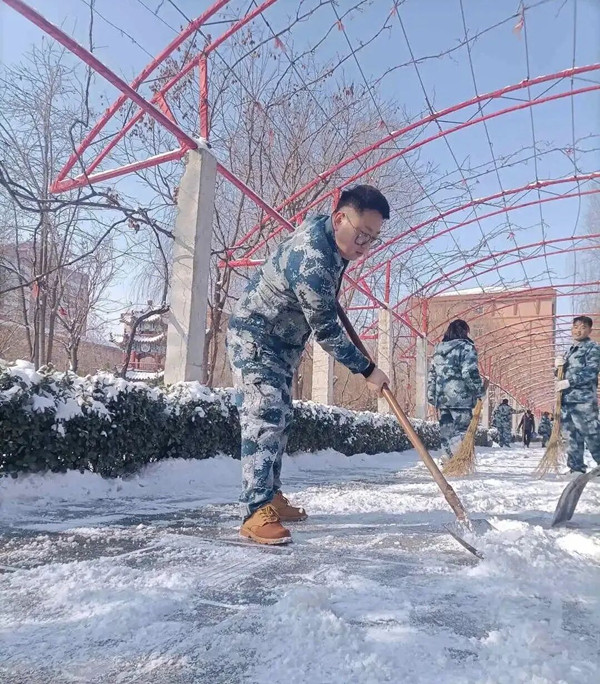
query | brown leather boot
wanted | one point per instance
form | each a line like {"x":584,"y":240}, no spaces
{"x":264,"y":527}
{"x":286,"y":511}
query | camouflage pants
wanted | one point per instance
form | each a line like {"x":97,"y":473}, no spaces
{"x":580,"y":427}
{"x":264,"y":401}
{"x":504,"y":434}
{"x":453,"y":425}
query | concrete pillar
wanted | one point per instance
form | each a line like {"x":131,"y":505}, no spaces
{"x":385,"y":350}
{"x":322,"y":375}
{"x":485,"y":410}
{"x":421,"y":379}
{"x":516,"y":417}
{"x":191,"y":263}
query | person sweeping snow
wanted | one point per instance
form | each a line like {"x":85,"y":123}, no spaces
{"x":545,"y":428}
{"x":292,"y":296}
{"x":579,"y":401}
{"x":454,"y":384}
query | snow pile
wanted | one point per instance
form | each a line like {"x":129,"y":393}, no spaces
{"x":50,"y":390}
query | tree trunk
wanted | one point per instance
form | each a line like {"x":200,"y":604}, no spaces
{"x":206,"y":370}
{"x":35,"y":355}
{"x":24,"y":293}
{"x":74,"y":357}
{"x":51,"y":328}
{"x":42,"y":330}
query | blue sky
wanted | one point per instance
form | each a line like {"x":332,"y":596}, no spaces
{"x":432,"y":27}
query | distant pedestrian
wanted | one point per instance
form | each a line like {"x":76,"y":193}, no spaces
{"x":501,"y":420}
{"x":545,"y":428}
{"x":527,"y":422}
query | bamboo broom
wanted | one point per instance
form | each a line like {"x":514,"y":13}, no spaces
{"x":555,"y":447}
{"x":463,"y":461}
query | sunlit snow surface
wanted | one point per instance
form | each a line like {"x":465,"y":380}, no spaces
{"x":118,"y":582}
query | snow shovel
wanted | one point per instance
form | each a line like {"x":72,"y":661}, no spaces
{"x":463,"y":522}
{"x":570,"y":497}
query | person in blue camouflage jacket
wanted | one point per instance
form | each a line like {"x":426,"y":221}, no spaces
{"x":545,"y":427}
{"x":293,"y":296}
{"x":502,"y":421}
{"x":579,"y":399}
{"x":454,"y":384}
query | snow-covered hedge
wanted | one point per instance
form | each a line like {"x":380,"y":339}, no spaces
{"x":58,"y":421}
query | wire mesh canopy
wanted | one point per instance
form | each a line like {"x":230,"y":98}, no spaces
{"x":480,"y":131}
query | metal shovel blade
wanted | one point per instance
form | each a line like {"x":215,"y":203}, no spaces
{"x":570,"y":497}
{"x":457,"y":530}
{"x":481,"y":526}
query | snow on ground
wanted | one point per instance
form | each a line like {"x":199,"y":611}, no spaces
{"x":131,"y":581}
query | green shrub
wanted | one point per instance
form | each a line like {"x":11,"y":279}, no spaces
{"x":58,"y":421}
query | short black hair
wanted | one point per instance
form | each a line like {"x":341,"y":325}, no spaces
{"x":457,"y":330}
{"x":505,"y":401}
{"x":363,"y":197}
{"x":586,"y":320}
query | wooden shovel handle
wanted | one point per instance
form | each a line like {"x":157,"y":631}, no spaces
{"x":448,"y":492}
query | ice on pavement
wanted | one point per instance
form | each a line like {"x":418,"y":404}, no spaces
{"x":126,"y":581}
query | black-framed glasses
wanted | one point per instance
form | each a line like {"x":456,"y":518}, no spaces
{"x":363,"y":238}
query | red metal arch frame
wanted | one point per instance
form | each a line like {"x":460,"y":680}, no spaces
{"x":519,"y":248}
{"x":492,"y":256}
{"x":517,"y":296}
{"x":500,"y":361}
{"x":163,"y":116}
{"x":567,"y":73}
{"x":62,"y":184}
{"x":537,"y":185}
{"x":516,"y":335}
{"x":70,"y":44}
{"x":170,"y":125}
{"x":450,"y":229}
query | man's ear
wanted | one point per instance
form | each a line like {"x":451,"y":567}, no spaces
{"x":336,"y":217}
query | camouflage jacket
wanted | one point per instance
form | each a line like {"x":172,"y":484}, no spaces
{"x":294,"y":294}
{"x":545,"y":426}
{"x":454,"y":380}
{"x":503,"y":414}
{"x":582,"y":364}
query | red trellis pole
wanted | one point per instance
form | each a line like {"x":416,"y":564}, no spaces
{"x":567,"y":73}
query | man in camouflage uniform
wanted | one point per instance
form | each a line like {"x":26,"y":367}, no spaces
{"x":579,"y":400}
{"x":292,"y":296}
{"x":502,"y":421}
{"x":545,"y":428}
{"x":454,"y":384}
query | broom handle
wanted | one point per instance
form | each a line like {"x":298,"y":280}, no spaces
{"x":479,"y":404}
{"x":560,"y":374}
{"x":449,"y":493}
